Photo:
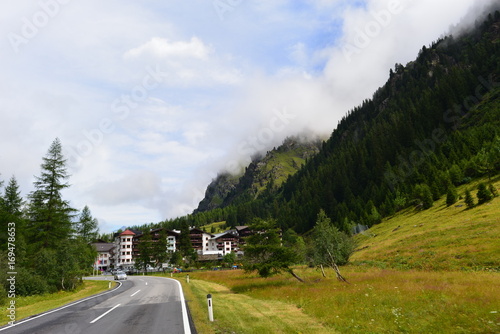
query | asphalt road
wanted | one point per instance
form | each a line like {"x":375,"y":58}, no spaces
{"x":141,"y":304}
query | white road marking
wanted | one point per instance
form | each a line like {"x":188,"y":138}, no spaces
{"x":61,"y":308}
{"x":102,"y":315}
{"x":185,"y":320}
{"x":132,"y":295}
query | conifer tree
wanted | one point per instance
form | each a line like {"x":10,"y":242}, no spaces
{"x":469,"y":200}
{"x":49,"y":215}
{"x":264,"y":252}
{"x":451,"y":196}
{"x":11,"y":212}
{"x":483,"y":194}
{"x":87,"y":226}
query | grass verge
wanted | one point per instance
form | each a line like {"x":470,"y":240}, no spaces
{"x":376,"y":301}
{"x":240,"y":313}
{"x":33,"y":305}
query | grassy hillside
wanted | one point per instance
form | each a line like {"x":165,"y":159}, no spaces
{"x":440,"y":238}
{"x":430,"y":271}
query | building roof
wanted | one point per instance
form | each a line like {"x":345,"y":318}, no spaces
{"x":231,"y":232}
{"x":103,"y":246}
{"x":127,"y":232}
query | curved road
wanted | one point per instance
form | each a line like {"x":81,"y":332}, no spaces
{"x":141,"y":304}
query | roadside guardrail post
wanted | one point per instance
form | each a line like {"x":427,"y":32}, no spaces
{"x":210,"y":308}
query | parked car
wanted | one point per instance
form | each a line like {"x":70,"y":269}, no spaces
{"x":120,"y":275}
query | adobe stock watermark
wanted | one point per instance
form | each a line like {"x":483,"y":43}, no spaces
{"x":427,"y":147}
{"x":372,"y":29}
{"x":11,"y":273}
{"x":223,"y":6}
{"x":120,"y":109}
{"x":31,"y":26}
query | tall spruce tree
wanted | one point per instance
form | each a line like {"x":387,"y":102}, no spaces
{"x":50,"y":217}
{"x":11,"y":212}
{"x":87,"y":226}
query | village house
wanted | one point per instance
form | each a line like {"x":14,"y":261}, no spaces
{"x":121,"y":254}
{"x":105,"y":252}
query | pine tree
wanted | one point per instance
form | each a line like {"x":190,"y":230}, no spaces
{"x":451,"y":196}
{"x":145,"y":248}
{"x":265,"y":253}
{"x":483,"y":194}
{"x":469,"y":200}
{"x":12,"y":199}
{"x":160,"y":245}
{"x":49,"y":215}
{"x":11,"y":213}
{"x":87,"y":226}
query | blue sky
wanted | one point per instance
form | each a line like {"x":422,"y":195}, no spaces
{"x":151,"y":99}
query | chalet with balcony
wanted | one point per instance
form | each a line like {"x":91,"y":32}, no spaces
{"x":105,"y":252}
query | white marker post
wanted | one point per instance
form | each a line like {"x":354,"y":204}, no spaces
{"x":187,"y":278}
{"x":210,"y":308}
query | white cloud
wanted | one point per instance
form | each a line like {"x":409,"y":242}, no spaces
{"x":221,"y":85}
{"x":162,"y":48}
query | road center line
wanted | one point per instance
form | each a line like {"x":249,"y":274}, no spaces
{"x":102,"y":315}
{"x":132,"y":295}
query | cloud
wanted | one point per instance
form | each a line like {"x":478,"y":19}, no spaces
{"x":162,"y":48}
{"x":137,"y":187}
{"x":226,"y":88}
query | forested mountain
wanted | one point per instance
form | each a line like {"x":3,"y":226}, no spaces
{"x":434,"y":125}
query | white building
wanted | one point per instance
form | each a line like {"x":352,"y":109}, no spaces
{"x":124,"y":243}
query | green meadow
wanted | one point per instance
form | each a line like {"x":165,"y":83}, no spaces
{"x":430,"y":271}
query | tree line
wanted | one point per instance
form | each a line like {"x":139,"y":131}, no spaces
{"x":49,"y":247}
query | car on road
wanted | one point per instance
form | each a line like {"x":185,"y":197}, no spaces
{"x":120,"y":275}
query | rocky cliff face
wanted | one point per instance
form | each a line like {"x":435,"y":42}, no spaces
{"x":267,"y":172}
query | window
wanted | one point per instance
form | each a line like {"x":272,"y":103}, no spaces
{"x":123,"y":253}
{"x":128,"y":253}
{"x":128,"y":246}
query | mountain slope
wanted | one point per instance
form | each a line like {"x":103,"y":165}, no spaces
{"x":265,"y":173}
{"x":435,"y":125}
{"x":441,"y":238}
